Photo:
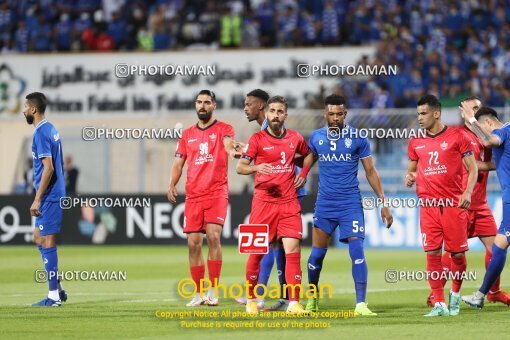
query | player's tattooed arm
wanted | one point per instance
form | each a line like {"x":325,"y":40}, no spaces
{"x":485,"y":136}
{"x":45,"y":181}
{"x":175,"y":175}
{"x":375,"y":182}
{"x":245,"y":168}
{"x":470,"y":164}
{"x":485,"y":166}
{"x":411,"y":173}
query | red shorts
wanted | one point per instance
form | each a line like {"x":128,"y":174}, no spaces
{"x":198,"y":214}
{"x":284,"y":219}
{"x":481,"y":223}
{"x":446,"y":225}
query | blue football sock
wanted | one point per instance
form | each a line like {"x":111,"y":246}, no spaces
{"x":50,"y":260}
{"x":280,"y":266}
{"x":359,"y":268}
{"x":266,"y":265}
{"x":315,"y":265}
{"x":494,"y":269}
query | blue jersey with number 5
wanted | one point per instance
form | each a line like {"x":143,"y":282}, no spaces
{"x":338,"y":158}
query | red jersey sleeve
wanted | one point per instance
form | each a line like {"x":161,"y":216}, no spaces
{"x":228,"y":131}
{"x":251,"y":151}
{"x":410,"y":151}
{"x":181,"y":146}
{"x":302,"y":147}
{"x":464,"y":145}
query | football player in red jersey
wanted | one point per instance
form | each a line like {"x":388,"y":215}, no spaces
{"x":275,"y":200}
{"x":436,"y":164}
{"x":481,"y":222}
{"x":205,"y":146}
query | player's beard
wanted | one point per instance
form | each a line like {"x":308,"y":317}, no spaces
{"x":204,"y":116}
{"x":30,"y":118}
{"x":336,"y":124}
{"x":275,"y":126}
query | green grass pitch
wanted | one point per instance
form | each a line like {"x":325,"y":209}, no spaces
{"x":126,"y":309}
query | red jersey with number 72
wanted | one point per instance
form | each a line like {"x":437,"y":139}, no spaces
{"x":207,"y":160}
{"x":279,"y":152}
{"x":440,"y":165}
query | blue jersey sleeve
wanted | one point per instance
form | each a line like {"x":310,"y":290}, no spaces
{"x":43,"y":145}
{"x":364,"y":148}
{"x":501,"y":135}
{"x":311,"y":145}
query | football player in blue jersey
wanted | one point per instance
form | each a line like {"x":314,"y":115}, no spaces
{"x":338,"y":148}
{"x":496,"y":135}
{"x":49,"y":186}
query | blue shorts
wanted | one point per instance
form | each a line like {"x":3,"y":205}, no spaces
{"x":50,"y":220}
{"x":351,"y":223}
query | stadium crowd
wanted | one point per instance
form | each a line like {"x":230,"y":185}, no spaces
{"x":450,"y":49}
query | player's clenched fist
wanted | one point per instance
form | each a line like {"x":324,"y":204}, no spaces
{"x":172,"y":193}
{"x":34,"y":209}
{"x":410,"y":179}
{"x":465,"y":200}
{"x":386,"y":216}
{"x":264,"y":168}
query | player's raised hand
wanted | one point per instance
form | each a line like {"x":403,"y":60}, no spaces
{"x":410,"y":179}
{"x":466,"y":110}
{"x":465,"y":200}
{"x":172,"y":193}
{"x":299,"y":181}
{"x":34,"y":209}
{"x":264,"y":169}
{"x":386,"y":217}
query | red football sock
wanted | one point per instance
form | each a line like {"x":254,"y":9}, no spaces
{"x":214,"y":268}
{"x":495,"y":287}
{"x":252,"y":272}
{"x":434,"y":265}
{"x":293,"y":275}
{"x":197,"y":273}
{"x":458,"y":269}
{"x":446,"y":261}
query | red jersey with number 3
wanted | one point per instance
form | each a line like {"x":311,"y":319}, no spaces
{"x":482,"y":154}
{"x":440,"y":165}
{"x":279,"y":152}
{"x":207,"y":160}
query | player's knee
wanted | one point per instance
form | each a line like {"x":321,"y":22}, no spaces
{"x":213,"y":241}
{"x":434,"y":252}
{"x":194,"y":246}
{"x":458,"y":255}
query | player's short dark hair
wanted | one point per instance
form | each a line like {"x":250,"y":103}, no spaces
{"x":431,"y":101}
{"x":207,"y":93}
{"x":260,"y":94}
{"x":472,"y":98}
{"x":278,"y":99}
{"x":37,"y":100}
{"x":334,"y":99}
{"x":486,"y":111}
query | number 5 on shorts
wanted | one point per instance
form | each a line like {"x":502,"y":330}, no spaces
{"x":356,"y":227}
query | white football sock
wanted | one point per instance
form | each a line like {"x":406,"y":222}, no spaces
{"x":53,"y":294}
